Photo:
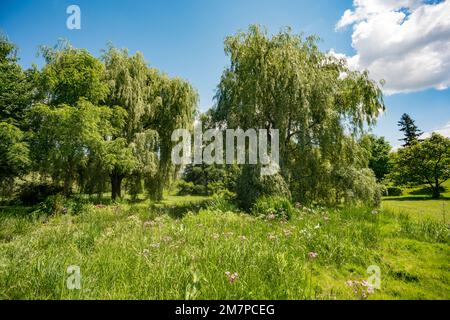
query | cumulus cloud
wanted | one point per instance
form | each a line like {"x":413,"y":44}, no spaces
{"x":406,"y":43}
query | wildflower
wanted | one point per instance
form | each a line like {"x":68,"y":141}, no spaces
{"x":228,"y":234}
{"x":149,"y":223}
{"x":155,"y":245}
{"x":287,"y":232}
{"x":349,"y":283}
{"x":374,"y":212}
{"x":146,"y":252}
{"x":243,"y":238}
{"x":231,"y":276}
{"x":271,"y":217}
{"x":312,"y":255}
{"x":272,"y":236}
{"x":109,"y":232}
{"x":215,"y":236}
{"x":166,"y":239}
{"x":100,"y":206}
{"x":365,"y":283}
{"x":370,"y":290}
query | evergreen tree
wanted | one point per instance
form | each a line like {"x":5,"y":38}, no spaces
{"x":411,"y":131}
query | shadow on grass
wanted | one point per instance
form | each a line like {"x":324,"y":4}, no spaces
{"x":414,"y":198}
{"x":16,"y":211}
{"x":426,"y":191}
{"x":178,"y":211}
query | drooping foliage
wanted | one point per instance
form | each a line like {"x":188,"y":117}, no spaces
{"x":177,"y":110}
{"x":319,"y":106}
{"x":134,"y":87}
{"x":65,"y":138}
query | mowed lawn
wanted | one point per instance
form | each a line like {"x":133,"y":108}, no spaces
{"x":186,"y":249}
{"x":438,"y":210}
{"x":421,"y":206}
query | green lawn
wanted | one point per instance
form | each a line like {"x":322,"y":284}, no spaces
{"x":438,"y":210}
{"x":419,"y":205}
{"x":132,"y":252}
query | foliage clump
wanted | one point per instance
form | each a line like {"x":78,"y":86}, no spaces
{"x":273,"y":208}
{"x":251,"y":186}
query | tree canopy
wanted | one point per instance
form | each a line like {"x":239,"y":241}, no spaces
{"x":319,"y":106}
{"x":426,"y":162}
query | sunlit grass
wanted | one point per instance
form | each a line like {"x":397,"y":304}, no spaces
{"x":139,"y":251}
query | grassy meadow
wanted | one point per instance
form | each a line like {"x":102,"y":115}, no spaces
{"x":204,"y":248}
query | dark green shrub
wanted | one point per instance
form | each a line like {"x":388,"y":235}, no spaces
{"x":251,"y":186}
{"x":394,"y":192}
{"x":200,"y":190}
{"x":273,"y":208}
{"x":35,"y":193}
{"x":188,"y":188}
{"x":53,"y":205}
{"x":185,"y":188}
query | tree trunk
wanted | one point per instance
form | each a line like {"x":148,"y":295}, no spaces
{"x":116,"y":186}
{"x":156,"y":188}
{"x":436,"y":192}
{"x":67,"y":189}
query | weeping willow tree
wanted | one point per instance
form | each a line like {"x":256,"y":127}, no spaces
{"x":155,"y":105}
{"x":319,"y":106}
{"x":133,"y":86}
{"x":177,"y":110}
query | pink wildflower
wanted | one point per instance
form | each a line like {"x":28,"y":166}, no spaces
{"x":232,"y":277}
{"x":312,"y":255}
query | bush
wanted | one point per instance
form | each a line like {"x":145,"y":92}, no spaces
{"x":35,"y":193}
{"x":273,"y":208}
{"x":53,"y":205}
{"x":189,"y":188}
{"x":394,"y":192}
{"x":251,"y":186}
{"x":199,"y":190}
{"x":185,"y":188}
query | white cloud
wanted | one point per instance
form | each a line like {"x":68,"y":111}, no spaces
{"x":445,"y":131}
{"x":404,"y":42}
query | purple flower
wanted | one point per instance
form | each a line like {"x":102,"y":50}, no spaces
{"x":312,"y":255}
{"x":232,"y":277}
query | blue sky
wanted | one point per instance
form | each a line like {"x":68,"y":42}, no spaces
{"x":185,"y":38}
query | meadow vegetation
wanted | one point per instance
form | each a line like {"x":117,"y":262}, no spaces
{"x":128,"y":251}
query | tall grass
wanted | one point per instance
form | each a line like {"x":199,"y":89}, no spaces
{"x":133,"y":252}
